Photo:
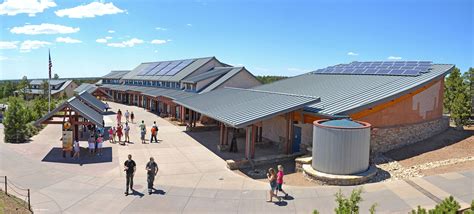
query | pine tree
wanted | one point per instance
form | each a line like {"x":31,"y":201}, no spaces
{"x":16,"y":118}
{"x":453,"y":85}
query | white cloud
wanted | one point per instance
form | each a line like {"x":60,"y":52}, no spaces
{"x":111,"y":31}
{"x":28,"y":45}
{"x":161,"y":28}
{"x":108,"y":37}
{"x":90,"y":10}
{"x":30,"y":7}
{"x":8,"y":45}
{"x":394,"y":57}
{"x":189,"y":25}
{"x":67,"y":40}
{"x":159,"y":41}
{"x":101,"y":40}
{"x":44,"y":28}
{"x":128,"y":43}
{"x":352,"y":54}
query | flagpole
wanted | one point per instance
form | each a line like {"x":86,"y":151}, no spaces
{"x":49,"y":83}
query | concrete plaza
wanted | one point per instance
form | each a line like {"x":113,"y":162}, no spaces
{"x":191,"y":179}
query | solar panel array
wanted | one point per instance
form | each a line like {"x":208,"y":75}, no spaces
{"x":166,"y":68}
{"x":394,"y":68}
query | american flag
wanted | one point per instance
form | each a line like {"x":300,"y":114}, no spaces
{"x":50,"y":64}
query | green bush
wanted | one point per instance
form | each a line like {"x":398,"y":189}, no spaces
{"x":447,"y":206}
{"x":16,"y":120}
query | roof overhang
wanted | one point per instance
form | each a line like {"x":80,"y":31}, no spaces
{"x":239,"y":108}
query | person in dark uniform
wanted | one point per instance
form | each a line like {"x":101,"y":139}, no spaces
{"x":130,"y":168}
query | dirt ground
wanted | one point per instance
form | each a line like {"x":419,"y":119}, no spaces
{"x":11,"y":204}
{"x":448,"y":145}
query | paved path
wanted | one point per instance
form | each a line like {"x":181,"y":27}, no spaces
{"x":191,"y":180}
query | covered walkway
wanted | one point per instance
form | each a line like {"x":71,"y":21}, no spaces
{"x":237,"y":108}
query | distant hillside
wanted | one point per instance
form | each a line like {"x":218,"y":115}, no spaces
{"x":270,"y":79}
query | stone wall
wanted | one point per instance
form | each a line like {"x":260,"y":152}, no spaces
{"x":385,"y":139}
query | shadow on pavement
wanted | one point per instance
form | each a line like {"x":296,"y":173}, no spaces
{"x":56,"y":156}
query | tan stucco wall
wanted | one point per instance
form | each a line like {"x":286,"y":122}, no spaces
{"x":274,"y":128}
{"x":424,"y":106}
{"x":69,"y":90}
{"x":243,"y":79}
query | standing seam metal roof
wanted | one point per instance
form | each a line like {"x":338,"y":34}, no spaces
{"x":222,"y":80}
{"x":196,"y":64}
{"x":217,"y":71}
{"x":116,"y":74}
{"x":241,"y":107}
{"x":86,"y":87}
{"x":88,"y":98}
{"x":346,"y":94}
{"x":79,"y":107}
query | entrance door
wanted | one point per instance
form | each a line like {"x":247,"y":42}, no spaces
{"x":296,"y":138}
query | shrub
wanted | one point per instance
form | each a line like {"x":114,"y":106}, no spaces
{"x":447,"y":206}
{"x":16,"y":119}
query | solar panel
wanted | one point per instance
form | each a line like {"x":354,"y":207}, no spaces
{"x":158,"y":68}
{"x":397,"y":68}
{"x":148,"y":68}
{"x":179,"y":67}
{"x":167,"y":68}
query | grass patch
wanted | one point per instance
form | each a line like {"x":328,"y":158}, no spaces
{"x":12,"y":204}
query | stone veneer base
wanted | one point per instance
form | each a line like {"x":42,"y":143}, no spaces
{"x":341,"y":180}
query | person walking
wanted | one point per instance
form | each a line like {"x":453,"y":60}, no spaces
{"x":152,"y":170}
{"x":91,"y":145}
{"x":119,"y":133}
{"x":126,"y":129}
{"x":132,"y":116}
{"x":112,"y":135}
{"x":100,"y":140}
{"x":129,"y":168}
{"x":107,"y":106}
{"x":77,"y":150}
{"x":271,"y":176}
{"x":127,"y":116}
{"x":154,"y":132}
{"x":142,"y":131}
{"x":119,"y":116}
{"x":280,"y":175}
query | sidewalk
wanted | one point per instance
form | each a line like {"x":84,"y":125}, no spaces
{"x":191,"y":179}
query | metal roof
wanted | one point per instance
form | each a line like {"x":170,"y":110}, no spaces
{"x":222,"y":79}
{"x":346,"y":94}
{"x":217,"y":71}
{"x":86,"y":87}
{"x":242,"y":107}
{"x":65,"y":84}
{"x":116,"y":74}
{"x":92,"y":101}
{"x":150,"y":91}
{"x":53,"y":82}
{"x":196,"y":64}
{"x":80,"y":108}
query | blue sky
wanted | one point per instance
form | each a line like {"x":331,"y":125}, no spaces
{"x":267,"y":37}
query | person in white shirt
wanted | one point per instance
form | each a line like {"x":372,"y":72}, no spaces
{"x":127,"y":115}
{"x":77,"y":150}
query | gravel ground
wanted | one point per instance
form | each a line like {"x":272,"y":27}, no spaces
{"x":449,"y":168}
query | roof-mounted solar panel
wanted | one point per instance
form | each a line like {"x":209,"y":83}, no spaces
{"x":158,"y":68}
{"x":394,"y":68}
{"x":179,"y":67}
{"x":146,"y":69}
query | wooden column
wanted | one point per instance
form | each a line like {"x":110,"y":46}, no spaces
{"x":226,"y":135}
{"x":221,"y":135}
{"x":250,"y":137}
{"x":183,"y":114}
{"x":289,"y":133}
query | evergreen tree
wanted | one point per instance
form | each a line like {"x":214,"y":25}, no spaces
{"x":23,"y":86}
{"x":452,"y":86}
{"x":56,"y":76}
{"x":15,"y":122}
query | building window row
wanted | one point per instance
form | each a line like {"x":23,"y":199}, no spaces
{"x":162,"y":84}
{"x":111,"y":81}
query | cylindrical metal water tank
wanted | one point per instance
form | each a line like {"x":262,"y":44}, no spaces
{"x":341,"y":146}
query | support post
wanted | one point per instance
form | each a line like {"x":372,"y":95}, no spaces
{"x":221,"y":135}
{"x":6,"y":186}
{"x":29,"y":201}
{"x":250,"y":132}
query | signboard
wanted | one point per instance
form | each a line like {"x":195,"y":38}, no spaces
{"x":67,"y":140}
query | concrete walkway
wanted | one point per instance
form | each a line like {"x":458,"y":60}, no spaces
{"x":192,"y":179}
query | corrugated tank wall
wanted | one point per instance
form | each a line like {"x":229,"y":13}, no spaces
{"x":340,"y":151}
